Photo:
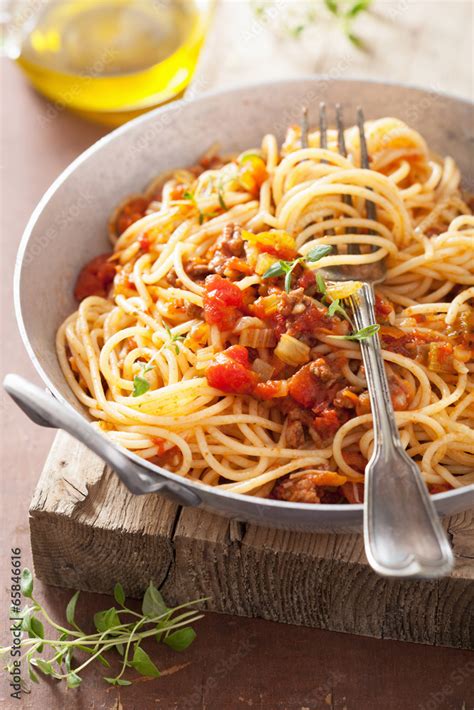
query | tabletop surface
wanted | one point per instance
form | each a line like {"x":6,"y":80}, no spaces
{"x":234,"y":663}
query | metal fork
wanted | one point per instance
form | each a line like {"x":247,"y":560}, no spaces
{"x":403,"y":534}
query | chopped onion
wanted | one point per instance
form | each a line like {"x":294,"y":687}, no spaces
{"x":258,"y":338}
{"x":263,"y":369}
{"x":292,"y":351}
{"x":248,"y":322}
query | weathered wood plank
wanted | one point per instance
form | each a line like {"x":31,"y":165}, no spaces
{"x":88,"y":531}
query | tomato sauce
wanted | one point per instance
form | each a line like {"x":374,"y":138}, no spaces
{"x":95,"y":278}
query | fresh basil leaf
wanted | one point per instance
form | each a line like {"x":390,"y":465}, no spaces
{"x":276,"y":269}
{"x":153,"y":603}
{"x":26,"y":583}
{"x":180,"y":639}
{"x":105,"y":620}
{"x":318,"y":252}
{"x":119,"y":594}
{"x":142,"y":663}
{"x":73,"y":680}
{"x":321,"y":283}
{"x":363,"y":333}
{"x":140,"y":386}
{"x":71,"y":608}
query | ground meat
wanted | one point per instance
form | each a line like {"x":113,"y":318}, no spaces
{"x":295,"y":436}
{"x":344,"y":400}
{"x":229,"y":244}
{"x":172,"y":279}
{"x":193,"y":311}
{"x":197,"y":268}
{"x":297,"y":490}
{"x":321,"y":369}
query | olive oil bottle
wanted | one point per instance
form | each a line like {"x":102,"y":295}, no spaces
{"x":110,"y":59}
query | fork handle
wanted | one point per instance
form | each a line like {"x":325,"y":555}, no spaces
{"x":403,"y":535}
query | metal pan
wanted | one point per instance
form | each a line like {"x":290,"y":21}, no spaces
{"x":69,"y":227}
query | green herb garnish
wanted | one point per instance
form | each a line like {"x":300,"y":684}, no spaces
{"x":202,"y":215}
{"x":361,"y":334}
{"x":174,"y":339}
{"x":140,"y":383}
{"x":280,"y":268}
{"x":118,"y":629}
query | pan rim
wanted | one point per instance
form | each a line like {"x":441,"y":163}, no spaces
{"x":291,"y":509}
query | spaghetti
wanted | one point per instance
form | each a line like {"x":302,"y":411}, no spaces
{"x":208,"y":343}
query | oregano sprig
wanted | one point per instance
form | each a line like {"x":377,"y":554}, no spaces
{"x":118,"y":629}
{"x":281,"y":267}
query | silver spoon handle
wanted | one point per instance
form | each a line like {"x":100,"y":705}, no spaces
{"x":402,"y":532}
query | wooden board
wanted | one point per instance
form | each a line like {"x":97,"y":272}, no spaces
{"x":88,"y":531}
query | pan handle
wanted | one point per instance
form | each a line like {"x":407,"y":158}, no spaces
{"x":43,"y":409}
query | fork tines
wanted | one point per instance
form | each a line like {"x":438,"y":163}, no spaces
{"x":341,"y":145}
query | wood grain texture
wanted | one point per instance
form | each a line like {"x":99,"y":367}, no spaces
{"x":87,"y":529}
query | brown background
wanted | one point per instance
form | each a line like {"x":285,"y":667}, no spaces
{"x":234,"y":663}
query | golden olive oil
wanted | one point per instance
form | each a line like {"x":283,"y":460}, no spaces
{"x":112,"y":59}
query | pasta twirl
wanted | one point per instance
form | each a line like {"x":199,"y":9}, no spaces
{"x":208,"y":343}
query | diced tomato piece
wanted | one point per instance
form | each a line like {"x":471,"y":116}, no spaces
{"x":327,"y":423}
{"x":271,"y":389}
{"x":230,"y":371}
{"x":306,"y":389}
{"x":95,"y":278}
{"x":306,"y":279}
{"x":144,"y":242}
{"x":383,"y":308}
{"x":131,"y":212}
{"x":223,"y":302}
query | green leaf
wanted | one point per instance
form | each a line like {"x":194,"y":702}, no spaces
{"x":318,"y":252}
{"x":36,"y":630}
{"x":26,"y":620}
{"x":105,"y":620}
{"x":180,"y":639}
{"x":142,"y":663}
{"x":140,"y":386}
{"x":32,"y":675}
{"x":358,"y":7}
{"x":334,"y":307}
{"x":153,"y":603}
{"x":288,"y":281}
{"x":73,"y":680}
{"x":363,"y":333}
{"x":120,"y":649}
{"x":119,"y":594}
{"x":71,"y":608}
{"x":321,"y":283}
{"x":332,"y":6}
{"x":355,"y":40}
{"x":221,"y":200}
{"x":118,"y":681}
{"x":188,"y":195}
{"x":26,"y":583}
{"x":276,"y":269}
{"x":44,"y":666}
